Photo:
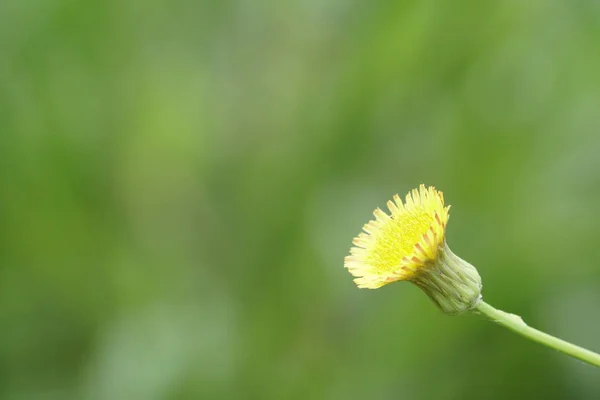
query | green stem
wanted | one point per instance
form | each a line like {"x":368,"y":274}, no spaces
{"x":516,"y":324}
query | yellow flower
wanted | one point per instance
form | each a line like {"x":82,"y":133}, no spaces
{"x":410,"y":244}
{"x":395,"y":247}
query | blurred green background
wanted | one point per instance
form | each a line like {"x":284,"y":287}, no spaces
{"x":181,"y":180}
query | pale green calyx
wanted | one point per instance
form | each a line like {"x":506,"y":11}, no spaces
{"x":453,"y":284}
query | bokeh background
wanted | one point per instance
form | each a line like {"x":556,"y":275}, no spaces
{"x":181,"y":180}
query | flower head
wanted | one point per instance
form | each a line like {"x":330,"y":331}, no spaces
{"x":395,"y":247}
{"x":410,"y":244}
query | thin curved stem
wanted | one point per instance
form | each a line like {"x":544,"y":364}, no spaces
{"x":516,"y":324}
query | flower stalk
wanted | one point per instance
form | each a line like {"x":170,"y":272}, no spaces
{"x":517,"y":325}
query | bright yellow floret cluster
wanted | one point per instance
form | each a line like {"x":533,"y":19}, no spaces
{"x":395,"y":247}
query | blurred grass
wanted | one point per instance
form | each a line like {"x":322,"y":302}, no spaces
{"x":181,"y":181}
